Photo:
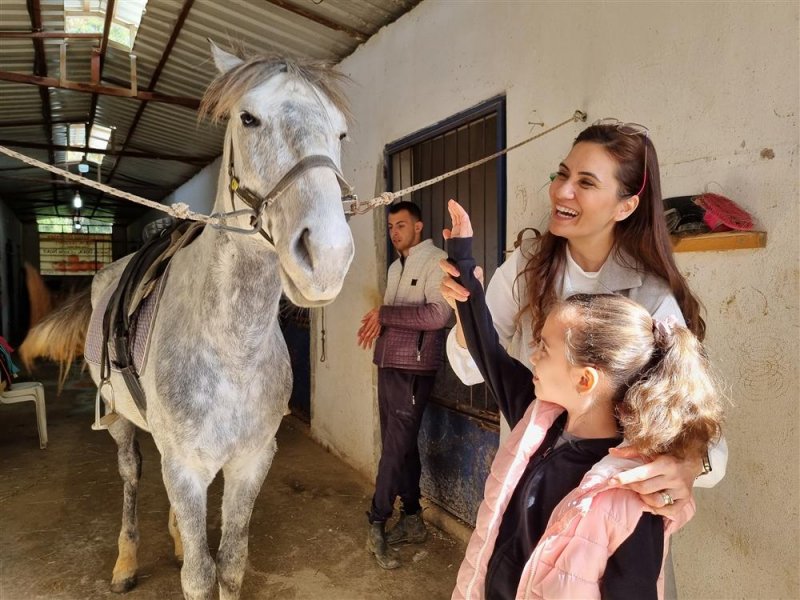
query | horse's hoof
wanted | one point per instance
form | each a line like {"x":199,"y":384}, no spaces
{"x":126,"y":585}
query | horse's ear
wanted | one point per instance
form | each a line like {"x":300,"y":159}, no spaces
{"x":225,"y":61}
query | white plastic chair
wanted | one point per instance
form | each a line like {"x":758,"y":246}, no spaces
{"x":29,"y":391}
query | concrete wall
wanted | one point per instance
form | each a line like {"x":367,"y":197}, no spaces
{"x":199,"y":192}
{"x":717,"y":83}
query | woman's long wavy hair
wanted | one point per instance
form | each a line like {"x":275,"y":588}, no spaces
{"x":642,"y":236}
{"x":663,"y":393}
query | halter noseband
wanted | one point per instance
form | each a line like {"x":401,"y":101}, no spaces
{"x":258,"y":204}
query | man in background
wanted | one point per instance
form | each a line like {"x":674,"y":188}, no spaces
{"x":409,"y":348}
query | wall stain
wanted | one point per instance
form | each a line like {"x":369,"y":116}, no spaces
{"x":739,"y":543}
{"x":768,"y":153}
{"x":521,"y":197}
{"x":763,"y":366}
{"x":746,"y":304}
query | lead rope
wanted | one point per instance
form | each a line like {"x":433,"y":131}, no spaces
{"x":322,"y":354}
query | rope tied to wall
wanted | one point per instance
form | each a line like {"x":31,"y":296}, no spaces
{"x":357,"y":207}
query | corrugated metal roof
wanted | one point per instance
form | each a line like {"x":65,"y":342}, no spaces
{"x":328,"y":29}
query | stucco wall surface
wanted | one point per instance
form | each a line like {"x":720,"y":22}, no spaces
{"x":717,"y":84}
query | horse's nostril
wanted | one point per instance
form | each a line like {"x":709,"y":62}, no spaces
{"x":302,"y":251}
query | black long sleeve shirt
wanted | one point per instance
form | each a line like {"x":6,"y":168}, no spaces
{"x":552,"y":472}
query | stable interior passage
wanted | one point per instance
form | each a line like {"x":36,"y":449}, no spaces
{"x":60,"y":510}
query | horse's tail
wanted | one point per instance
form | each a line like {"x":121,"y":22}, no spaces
{"x":41,"y":300}
{"x":60,"y":335}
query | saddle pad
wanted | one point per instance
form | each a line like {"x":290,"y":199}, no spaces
{"x":141,"y":337}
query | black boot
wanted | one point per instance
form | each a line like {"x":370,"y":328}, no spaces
{"x":376,"y":543}
{"x":409,"y":529}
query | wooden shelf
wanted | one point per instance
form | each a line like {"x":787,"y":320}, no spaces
{"x":727,"y":240}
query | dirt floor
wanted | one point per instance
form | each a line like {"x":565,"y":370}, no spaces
{"x":60,"y":517}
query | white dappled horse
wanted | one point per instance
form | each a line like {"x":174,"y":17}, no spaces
{"x":218,"y":378}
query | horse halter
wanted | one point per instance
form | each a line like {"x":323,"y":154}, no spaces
{"x":258,"y":204}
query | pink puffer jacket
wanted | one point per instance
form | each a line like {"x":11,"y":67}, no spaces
{"x":586,"y":527}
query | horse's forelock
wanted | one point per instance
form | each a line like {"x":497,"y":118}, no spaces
{"x":229,"y":87}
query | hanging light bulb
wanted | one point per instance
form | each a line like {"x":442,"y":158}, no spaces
{"x":77,"y":201}
{"x":76,"y":222}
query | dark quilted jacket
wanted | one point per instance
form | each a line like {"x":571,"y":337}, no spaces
{"x":414,"y":313}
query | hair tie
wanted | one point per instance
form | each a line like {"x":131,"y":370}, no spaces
{"x":663,"y":330}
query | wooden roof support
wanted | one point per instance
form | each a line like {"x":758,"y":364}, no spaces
{"x":110,"y":7}
{"x":98,"y":71}
{"x":94,"y":63}
{"x":103,"y":90}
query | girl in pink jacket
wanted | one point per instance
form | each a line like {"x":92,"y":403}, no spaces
{"x":553,"y":523}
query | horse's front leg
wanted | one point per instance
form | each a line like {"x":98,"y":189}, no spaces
{"x":244,"y":476}
{"x":187,"y":491}
{"x":130,"y":469}
{"x":174,"y":531}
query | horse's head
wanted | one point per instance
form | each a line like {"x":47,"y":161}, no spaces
{"x":286,"y":122}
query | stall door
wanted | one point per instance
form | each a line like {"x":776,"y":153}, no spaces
{"x":460,"y":431}
{"x":295,"y":325}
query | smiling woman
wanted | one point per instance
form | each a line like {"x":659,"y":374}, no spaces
{"x":607,"y":234}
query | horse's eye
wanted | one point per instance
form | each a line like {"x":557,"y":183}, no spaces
{"x":343,"y":136}
{"x":249,"y":120}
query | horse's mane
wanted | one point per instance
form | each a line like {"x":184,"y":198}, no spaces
{"x":229,"y":87}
